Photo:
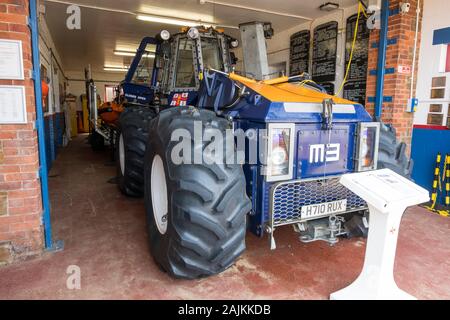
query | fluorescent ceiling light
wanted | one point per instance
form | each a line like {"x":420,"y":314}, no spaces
{"x":329,"y":6}
{"x":174,"y":21}
{"x":115,"y":68}
{"x":132,"y":54}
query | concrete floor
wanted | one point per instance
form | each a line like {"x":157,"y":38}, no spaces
{"x":104,"y":234}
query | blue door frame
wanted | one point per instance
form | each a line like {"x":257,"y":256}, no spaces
{"x":381,"y":70}
{"x":43,"y":173}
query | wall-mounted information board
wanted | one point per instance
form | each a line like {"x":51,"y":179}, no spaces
{"x":13,"y":108}
{"x":324,"y":52}
{"x":355,"y":88}
{"x":11,"y":60}
{"x":299,"y":56}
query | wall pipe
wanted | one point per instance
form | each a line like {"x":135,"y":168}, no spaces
{"x":413,"y":71}
{"x":43,"y":174}
{"x":381,"y":65}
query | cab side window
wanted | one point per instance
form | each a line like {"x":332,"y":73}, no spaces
{"x":185,"y":73}
{"x":143,"y":73}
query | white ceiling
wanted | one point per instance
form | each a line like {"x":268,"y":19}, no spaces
{"x":102,"y":32}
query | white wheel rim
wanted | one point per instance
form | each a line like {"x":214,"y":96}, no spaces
{"x":159,"y":194}
{"x":121,"y":155}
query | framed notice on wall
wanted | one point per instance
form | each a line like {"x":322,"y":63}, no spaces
{"x":355,"y":88}
{"x":299,"y":54}
{"x":11,"y":60}
{"x":13,"y":109}
{"x":324,"y":52}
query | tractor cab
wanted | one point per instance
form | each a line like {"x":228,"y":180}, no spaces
{"x":167,"y":70}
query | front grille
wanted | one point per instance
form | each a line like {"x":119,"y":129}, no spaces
{"x":289,"y":198}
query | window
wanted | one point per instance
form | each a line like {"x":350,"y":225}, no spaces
{"x":143,"y":73}
{"x":438,"y":87}
{"x":110,"y":93}
{"x":436,"y":108}
{"x":212,"y":57}
{"x":435,"y":119}
{"x":438,"y":82}
{"x":435,"y":115}
{"x":448,"y":117}
{"x":185,"y":73}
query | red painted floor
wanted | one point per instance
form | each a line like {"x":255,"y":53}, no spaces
{"x":104,"y":234}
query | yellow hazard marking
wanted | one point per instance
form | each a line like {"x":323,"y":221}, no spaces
{"x":443,"y":213}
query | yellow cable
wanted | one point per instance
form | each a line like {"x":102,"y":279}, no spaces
{"x":344,"y":81}
{"x":364,"y":11}
{"x":302,"y":83}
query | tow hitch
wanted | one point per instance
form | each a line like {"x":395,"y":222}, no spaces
{"x":327,"y":229}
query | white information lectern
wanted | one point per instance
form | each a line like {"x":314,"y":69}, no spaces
{"x":387,"y":195}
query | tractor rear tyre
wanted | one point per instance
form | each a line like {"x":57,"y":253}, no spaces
{"x":130,"y":148}
{"x":196,"y":213}
{"x":392,"y":153}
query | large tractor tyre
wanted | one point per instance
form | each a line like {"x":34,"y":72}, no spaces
{"x":196,"y":213}
{"x":97,"y":141}
{"x":392,"y":153}
{"x":130,"y":147}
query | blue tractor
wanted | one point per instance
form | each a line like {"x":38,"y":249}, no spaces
{"x":216,"y":154}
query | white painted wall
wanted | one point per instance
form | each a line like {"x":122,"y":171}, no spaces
{"x":279,"y":46}
{"x":435,"y":16}
{"x":46,"y":47}
{"x":77,"y":85}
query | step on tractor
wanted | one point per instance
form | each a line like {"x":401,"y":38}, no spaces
{"x":216,"y":154}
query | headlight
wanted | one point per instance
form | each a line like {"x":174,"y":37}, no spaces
{"x":280,"y":147}
{"x":234,"y":43}
{"x":193,"y":33}
{"x":367,"y":146}
{"x":165,"y":35}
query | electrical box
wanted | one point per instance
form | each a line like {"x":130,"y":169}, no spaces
{"x":413,"y":103}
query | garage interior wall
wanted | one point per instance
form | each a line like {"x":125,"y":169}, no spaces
{"x":21,"y":231}
{"x":431,"y":133}
{"x":77,"y":86}
{"x":399,"y":57}
{"x":278,"y":47}
{"x":56,"y":80}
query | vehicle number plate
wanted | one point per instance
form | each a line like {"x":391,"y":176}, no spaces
{"x":324,"y":209}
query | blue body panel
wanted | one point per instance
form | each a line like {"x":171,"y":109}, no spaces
{"x":258,"y":189}
{"x":138,"y":93}
{"x":255,"y":112}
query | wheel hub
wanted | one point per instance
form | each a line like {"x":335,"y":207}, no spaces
{"x":122,"y":155}
{"x":158,"y":187}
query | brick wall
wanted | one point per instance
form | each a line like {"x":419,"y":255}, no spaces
{"x":21,"y":232}
{"x":402,"y":27}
